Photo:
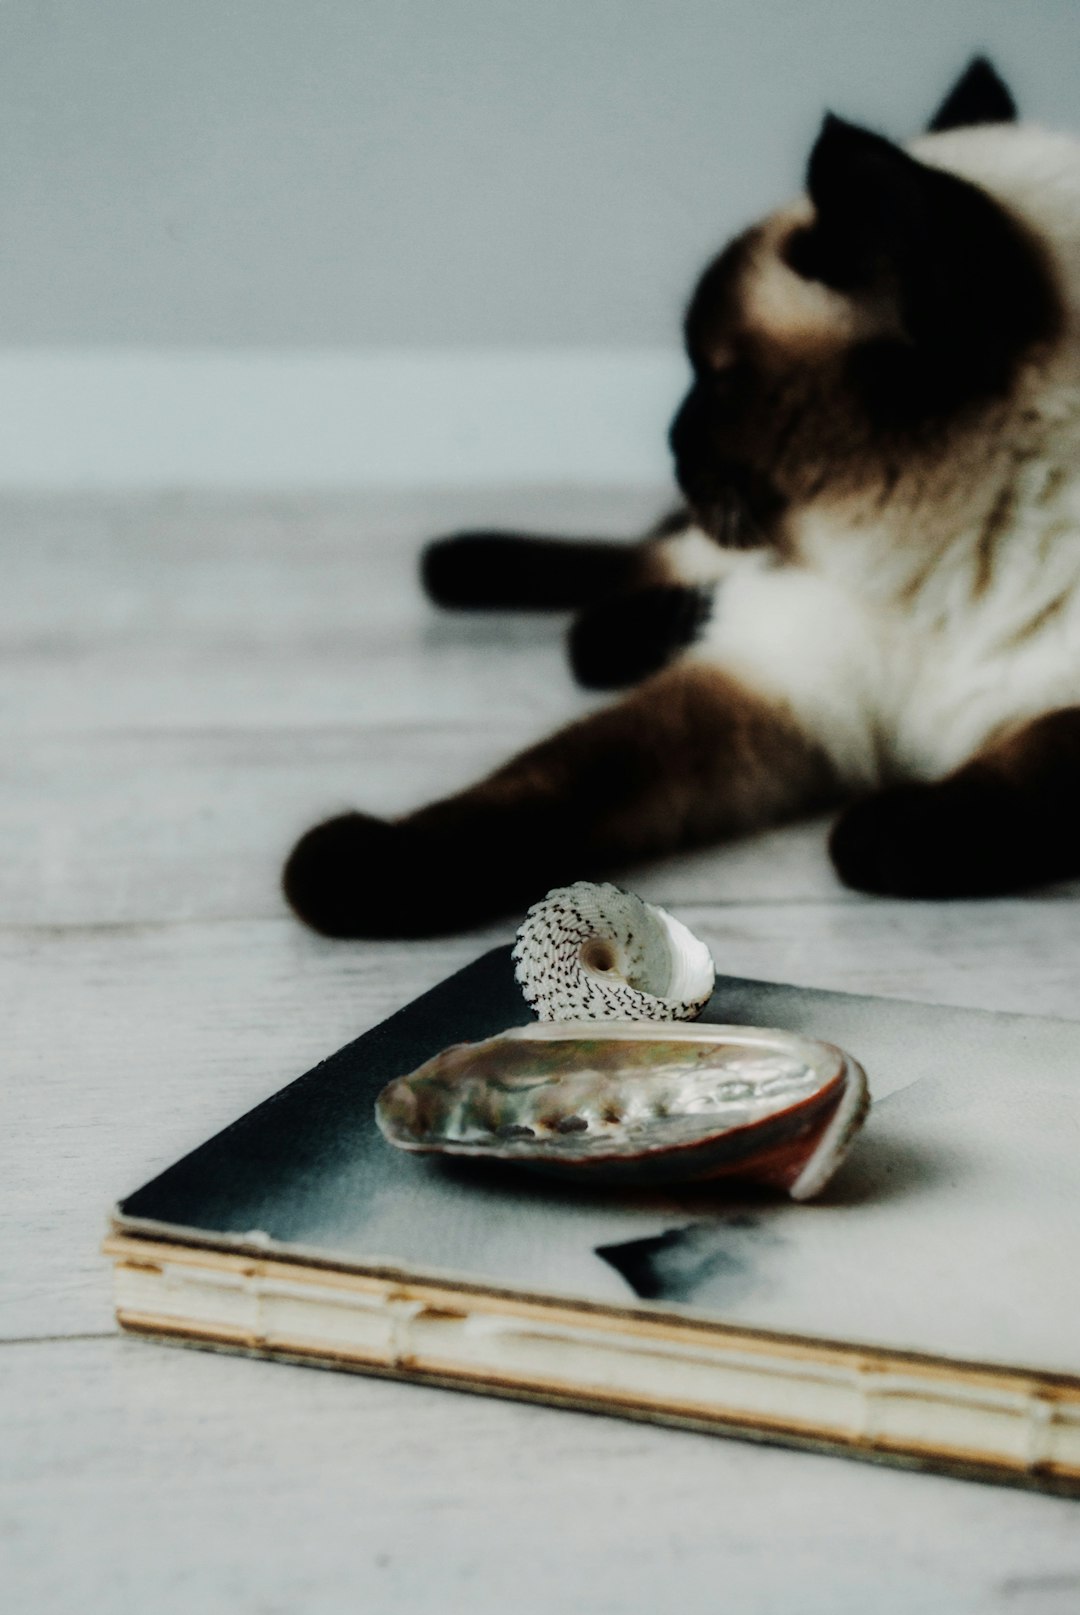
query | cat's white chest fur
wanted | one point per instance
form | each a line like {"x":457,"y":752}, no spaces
{"x":896,"y":682}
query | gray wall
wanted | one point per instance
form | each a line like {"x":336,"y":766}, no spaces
{"x":410,"y":173}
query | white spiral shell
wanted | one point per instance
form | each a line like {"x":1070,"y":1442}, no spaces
{"x":590,"y":952}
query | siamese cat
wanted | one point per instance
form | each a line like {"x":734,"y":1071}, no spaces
{"x":871,"y":597}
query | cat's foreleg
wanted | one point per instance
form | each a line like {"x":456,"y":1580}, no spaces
{"x":504,"y":570}
{"x":689,"y":757}
{"x":627,"y":636}
{"x":639,"y":604}
{"x":1007,"y":819}
{"x":662,"y":608}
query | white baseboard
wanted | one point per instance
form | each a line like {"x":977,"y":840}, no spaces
{"x":310,"y":419}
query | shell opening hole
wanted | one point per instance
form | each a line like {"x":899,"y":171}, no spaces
{"x":599,"y":956}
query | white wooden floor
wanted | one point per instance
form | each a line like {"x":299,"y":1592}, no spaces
{"x":185,"y":683}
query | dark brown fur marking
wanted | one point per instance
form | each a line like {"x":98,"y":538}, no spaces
{"x":994,"y":529}
{"x":506,"y":571}
{"x":1040,"y":619}
{"x":624,"y":638}
{"x":1006,"y":820}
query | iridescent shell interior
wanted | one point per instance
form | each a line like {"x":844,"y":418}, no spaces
{"x":629,"y":1102}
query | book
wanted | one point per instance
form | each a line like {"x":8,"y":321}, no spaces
{"x":925,"y":1311}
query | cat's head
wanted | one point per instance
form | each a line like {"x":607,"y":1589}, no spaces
{"x":881,"y":317}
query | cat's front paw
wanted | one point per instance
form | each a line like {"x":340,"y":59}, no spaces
{"x":920,"y":841}
{"x":351,"y":877}
{"x":628,"y":636}
{"x":467,"y":570}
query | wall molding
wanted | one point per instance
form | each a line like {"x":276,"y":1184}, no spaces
{"x":288,"y":419}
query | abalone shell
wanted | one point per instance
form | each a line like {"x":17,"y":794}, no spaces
{"x":625,"y":1102}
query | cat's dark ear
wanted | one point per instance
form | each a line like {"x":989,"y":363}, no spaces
{"x":979,"y":95}
{"x":870,"y":207}
{"x":969,"y":290}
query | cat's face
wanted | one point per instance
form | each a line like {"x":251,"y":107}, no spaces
{"x":856,"y":331}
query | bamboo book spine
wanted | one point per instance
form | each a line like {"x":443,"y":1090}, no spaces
{"x":995,"y":1423}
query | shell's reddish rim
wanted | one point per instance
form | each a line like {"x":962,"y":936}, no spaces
{"x":842,"y":1093}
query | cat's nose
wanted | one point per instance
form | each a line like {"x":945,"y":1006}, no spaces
{"x":686,"y":440}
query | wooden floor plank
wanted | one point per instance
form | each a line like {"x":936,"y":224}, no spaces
{"x":235,"y":613}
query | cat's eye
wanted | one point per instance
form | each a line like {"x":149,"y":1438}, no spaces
{"x":727,"y":380}
{"x":721,"y":358}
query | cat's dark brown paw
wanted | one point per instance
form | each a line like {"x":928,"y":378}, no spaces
{"x":929,"y":841}
{"x":354,"y":876}
{"x":358,"y":876}
{"x":521,"y":571}
{"x":625,"y":638}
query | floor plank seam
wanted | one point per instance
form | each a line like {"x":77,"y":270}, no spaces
{"x":49,"y":1340}
{"x":705,"y":907}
